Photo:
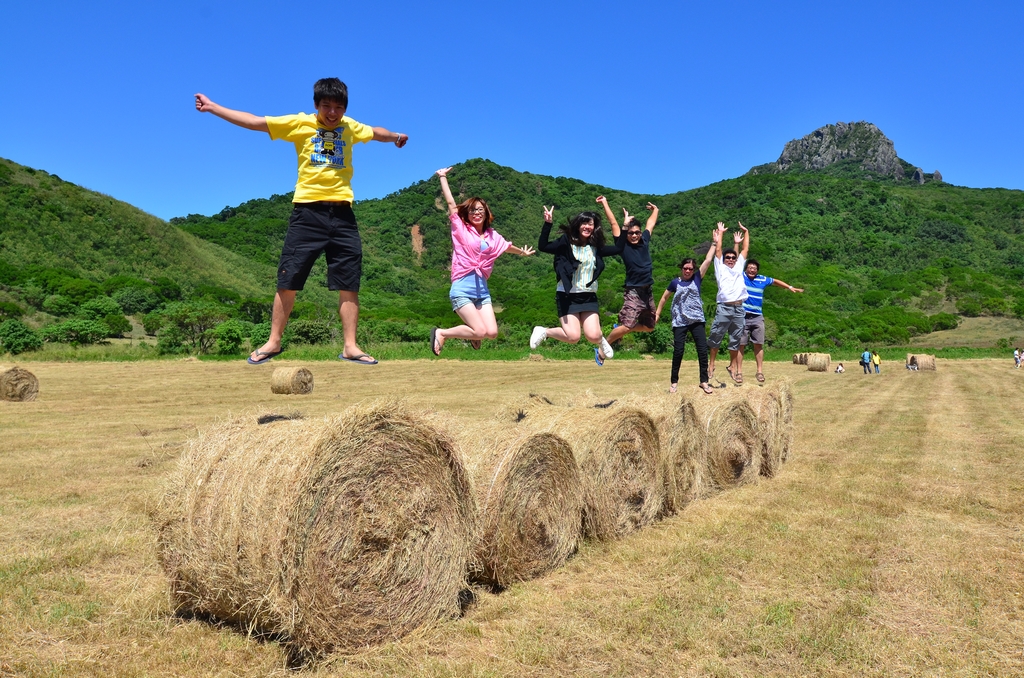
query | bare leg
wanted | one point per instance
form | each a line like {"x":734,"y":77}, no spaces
{"x":759,"y":357}
{"x":479,"y":324}
{"x":739,"y":359}
{"x":569,"y":332}
{"x":348,"y":309}
{"x":591,"y":326}
{"x":284,"y":301}
{"x":712,"y":354}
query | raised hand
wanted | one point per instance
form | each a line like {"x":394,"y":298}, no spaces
{"x":625,"y":216}
{"x":737,"y":237}
{"x":526,"y":251}
{"x":443,"y":172}
{"x":549,"y":214}
{"x":603,"y":200}
{"x":651,"y":206}
{"x":203,"y":103}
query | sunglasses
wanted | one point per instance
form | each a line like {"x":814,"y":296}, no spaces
{"x":687,"y":268}
{"x":730,"y":257}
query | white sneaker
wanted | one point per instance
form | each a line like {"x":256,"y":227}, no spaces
{"x":606,"y":348}
{"x":539,"y":335}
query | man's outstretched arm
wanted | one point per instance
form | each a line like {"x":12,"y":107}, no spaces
{"x":382,"y":134}
{"x":240,"y":118}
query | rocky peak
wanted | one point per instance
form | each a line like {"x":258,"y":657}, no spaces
{"x":846,"y":149}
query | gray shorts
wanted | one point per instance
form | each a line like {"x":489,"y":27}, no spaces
{"x":729,"y":319}
{"x":753,"y":330}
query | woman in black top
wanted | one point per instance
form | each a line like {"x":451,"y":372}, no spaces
{"x":579,"y":259}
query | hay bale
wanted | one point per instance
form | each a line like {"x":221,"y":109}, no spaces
{"x":519,"y":408}
{"x":17,"y":384}
{"x":923,"y":361}
{"x":733,"y":440}
{"x":530,"y":496}
{"x":818,"y":362}
{"x":291,"y":381}
{"x":796,"y":358}
{"x":619,"y":454}
{"x":803,"y":358}
{"x":336,"y":533}
{"x":774,"y":408}
{"x":682,"y":447}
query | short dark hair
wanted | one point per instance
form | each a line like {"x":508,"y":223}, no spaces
{"x":755,"y":262}
{"x":729,"y":250}
{"x":330,"y":88}
{"x":572,"y":229}
{"x":633,"y":221}
{"x":688,"y":260}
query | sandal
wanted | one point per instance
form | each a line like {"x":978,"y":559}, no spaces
{"x":706,"y":387}
{"x":738,"y":378}
{"x":760,"y":377}
{"x":672,"y":388}
{"x":475,"y":343}
{"x":433,"y":342}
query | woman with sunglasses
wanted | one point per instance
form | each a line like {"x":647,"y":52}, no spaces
{"x":688,"y":316}
{"x":475,"y":246}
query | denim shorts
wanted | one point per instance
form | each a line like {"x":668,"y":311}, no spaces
{"x":459,"y":302}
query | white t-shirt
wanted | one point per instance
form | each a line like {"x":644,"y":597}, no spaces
{"x":731,"y":286}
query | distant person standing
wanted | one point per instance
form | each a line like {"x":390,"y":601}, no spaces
{"x":876,"y":360}
{"x":688,"y":317}
{"x":637,"y":312}
{"x":865,"y":361}
{"x":322,"y":220}
{"x":753,"y":315}
{"x":732,"y":292}
{"x":1016,"y":358}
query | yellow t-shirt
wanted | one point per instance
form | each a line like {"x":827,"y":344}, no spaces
{"x":325,"y":155}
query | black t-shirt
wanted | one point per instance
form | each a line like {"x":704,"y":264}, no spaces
{"x":637,"y":258}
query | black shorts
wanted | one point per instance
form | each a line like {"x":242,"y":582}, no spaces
{"x":576,"y":302}
{"x":316,"y":227}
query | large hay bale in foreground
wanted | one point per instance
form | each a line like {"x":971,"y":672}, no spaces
{"x":291,"y":381}
{"x":618,"y":451}
{"x":684,"y":457}
{"x":733,"y":441}
{"x":17,"y":384}
{"x":519,"y":408}
{"x":774,"y":408}
{"x":338,"y":533}
{"x":923,"y":361}
{"x":530,"y":495}
{"x":819,"y":362}
{"x":785,"y":387}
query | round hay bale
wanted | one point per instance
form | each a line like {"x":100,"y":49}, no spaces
{"x":775,"y":425}
{"x":796,"y":358}
{"x":17,"y":384}
{"x":291,"y":381}
{"x":530,"y":495}
{"x":818,"y":362}
{"x":336,"y":533}
{"x":733,"y":440}
{"x":619,"y":453}
{"x":785,"y":387}
{"x":923,"y":361}
{"x":803,"y":358}
{"x":682,"y":446}
{"x":520,"y":408}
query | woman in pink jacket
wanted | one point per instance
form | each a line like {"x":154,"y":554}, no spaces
{"x":475,"y":246}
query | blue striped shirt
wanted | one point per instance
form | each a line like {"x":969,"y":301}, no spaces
{"x":755,"y":293}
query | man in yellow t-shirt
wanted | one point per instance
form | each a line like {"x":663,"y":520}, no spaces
{"x":322,"y":219}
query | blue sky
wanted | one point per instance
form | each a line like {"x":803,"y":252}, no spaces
{"x":644,"y":96}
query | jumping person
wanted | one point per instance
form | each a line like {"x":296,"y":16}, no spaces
{"x":688,"y":316}
{"x":753,"y":323}
{"x":637,"y":312}
{"x":731,"y":295}
{"x":475,"y":246}
{"x":322,"y":219}
{"x":579,"y":259}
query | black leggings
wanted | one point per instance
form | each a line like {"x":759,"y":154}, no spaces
{"x":700,"y":340}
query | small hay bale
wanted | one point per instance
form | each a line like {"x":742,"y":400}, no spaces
{"x":803,"y":358}
{"x":619,"y":453}
{"x":17,"y":384}
{"x":796,"y":358}
{"x":733,"y":440}
{"x":682,"y":447}
{"x":291,"y":381}
{"x":336,"y":533}
{"x":530,"y":495}
{"x":818,"y":362}
{"x":923,"y":361}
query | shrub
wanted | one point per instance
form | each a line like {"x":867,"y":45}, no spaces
{"x":77,"y":332}
{"x":152,"y":322}
{"x":658,"y":341}
{"x":311,"y":331}
{"x":99,"y":308}
{"x":259,"y":334}
{"x":193,"y":324}
{"x":229,"y":335}
{"x":58,"y":304}
{"x":117,"y":324}
{"x":79,"y":290}
{"x":944,"y":321}
{"x":9,"y":310}
{"x":17,"y":337}
{"x":134,"y":300}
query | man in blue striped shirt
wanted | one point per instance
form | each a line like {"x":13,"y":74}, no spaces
{"x":753,"y":330}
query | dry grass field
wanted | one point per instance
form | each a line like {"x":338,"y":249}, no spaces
{"x":890,"y":544}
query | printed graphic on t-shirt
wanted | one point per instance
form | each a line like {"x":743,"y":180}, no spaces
{"x":328,"y":149}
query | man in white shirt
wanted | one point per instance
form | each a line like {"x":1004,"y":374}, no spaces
{"x":732,"y":292}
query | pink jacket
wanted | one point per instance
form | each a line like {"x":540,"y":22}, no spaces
{"x":466,"y":255}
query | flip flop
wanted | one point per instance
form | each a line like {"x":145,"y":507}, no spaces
{"x":475,"y":343}
{"x":597,"y":357}
{"x":266,"y":359}
{"x":707,"y":388}
{"x":672,"y":388}
{"x":760,"y":377}
{"x":356,"y":359}
{"x":433,"y":341}
{"x":738,"y":378}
